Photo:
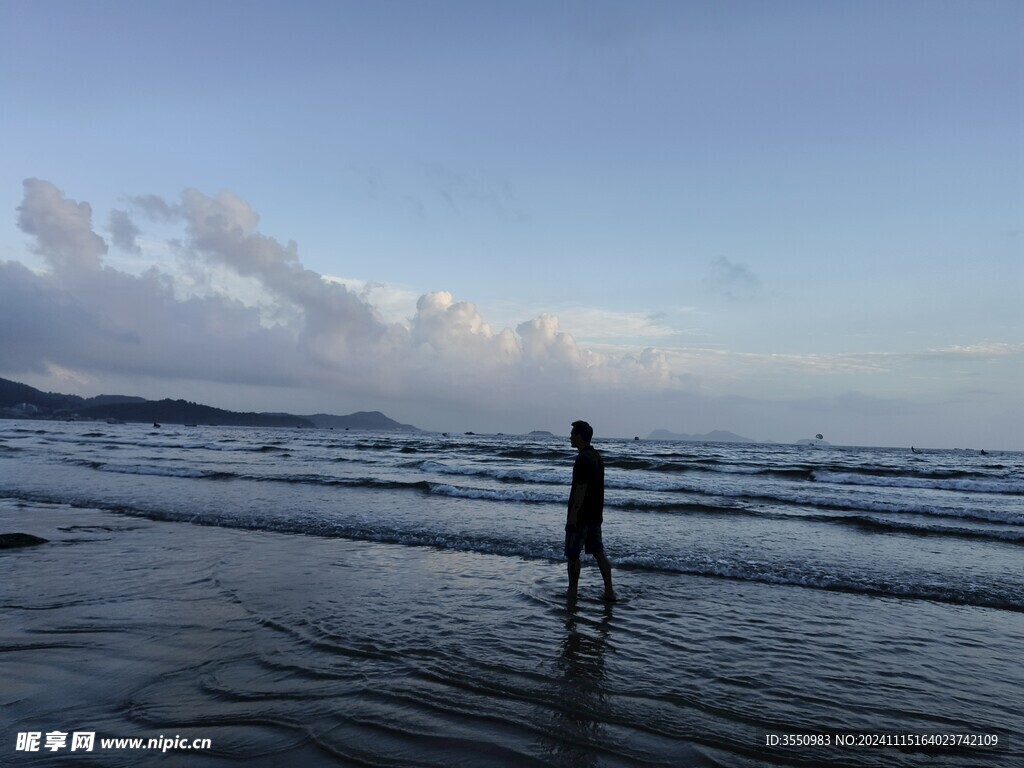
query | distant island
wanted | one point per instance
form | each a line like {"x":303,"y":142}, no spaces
{"x":718,"y":436}
{"x":21,"y":401}
{"x":366,"y":420}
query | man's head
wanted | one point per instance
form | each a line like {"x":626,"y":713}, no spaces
{"x":582,"y":433}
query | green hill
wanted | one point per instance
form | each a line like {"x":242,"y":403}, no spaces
{"x":24,"y":402}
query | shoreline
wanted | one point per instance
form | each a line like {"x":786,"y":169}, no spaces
{"x":282,"y":647}
{"x":133,"y":628}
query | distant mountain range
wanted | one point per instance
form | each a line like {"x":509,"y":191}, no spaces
{"x":22,"y":401}
{"x":718,"y":436}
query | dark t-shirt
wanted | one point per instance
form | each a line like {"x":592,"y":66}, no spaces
{"x":589,"y":470}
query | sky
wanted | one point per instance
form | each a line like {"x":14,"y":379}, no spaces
{"x":778,"y":219}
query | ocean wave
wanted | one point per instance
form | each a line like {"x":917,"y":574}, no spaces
{"x":223,"y":446}
{"x":140,"y":469}
{"x":525,"y":454}
{"x":562,"y":476}
{"x":550,"y":486}
{"x":808,"y":496}
{"x":690,"y":506}
{"x":168,"y":442}
{"x":968,"y":482}
{"x":782,"y":574}
{"x":520,"y":495}
{"x":516,"y":474}
{"x":794,"y":496}
{"x":804,"y":470}
{"x":714,"y":466}
{"x":901,"y":527}
{"x":767,"y":573}
{"x":491,"y":494}
{"x":342,"y":482}
{"x":913,"y":507}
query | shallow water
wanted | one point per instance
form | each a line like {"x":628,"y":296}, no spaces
{"x":376,"y":600}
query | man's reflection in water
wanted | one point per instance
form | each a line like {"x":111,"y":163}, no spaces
{"x":581,"y":708}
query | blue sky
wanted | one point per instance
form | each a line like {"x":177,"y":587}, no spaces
{"x":773,"y":218}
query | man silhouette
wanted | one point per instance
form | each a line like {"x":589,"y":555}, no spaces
{"x":586,"y":510}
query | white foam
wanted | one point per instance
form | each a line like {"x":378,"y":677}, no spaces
{"x":971,"y":485}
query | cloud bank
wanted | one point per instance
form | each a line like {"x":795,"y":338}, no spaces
{"x":217,"y":311}
{"x":304,"y":331}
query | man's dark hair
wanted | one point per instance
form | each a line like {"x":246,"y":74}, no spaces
{"x":583,"y":429}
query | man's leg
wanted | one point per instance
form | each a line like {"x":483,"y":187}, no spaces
{"x":573,"y":545}
{"x":606,"y":574}
{"x":596,"y":547}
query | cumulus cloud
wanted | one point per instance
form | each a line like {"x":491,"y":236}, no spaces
{"x":87,"y":316}
{"x":62,"y":227}
{"x":335,"y":326}
{"x":394,"y":303}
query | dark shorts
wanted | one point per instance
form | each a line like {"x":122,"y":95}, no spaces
{"x":586,"y":537}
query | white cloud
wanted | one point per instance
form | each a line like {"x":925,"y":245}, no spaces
{"x":395,"y":304}
{"x":217,"y":301}
{"x":982,"y":351}
{"x":62,"y":228}
{"x":601,"y":325}
{"x":239,"y":306}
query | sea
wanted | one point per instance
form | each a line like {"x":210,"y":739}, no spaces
{"x":398,"y":598}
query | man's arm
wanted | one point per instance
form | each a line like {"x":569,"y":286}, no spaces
{"x":577,"y":502}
